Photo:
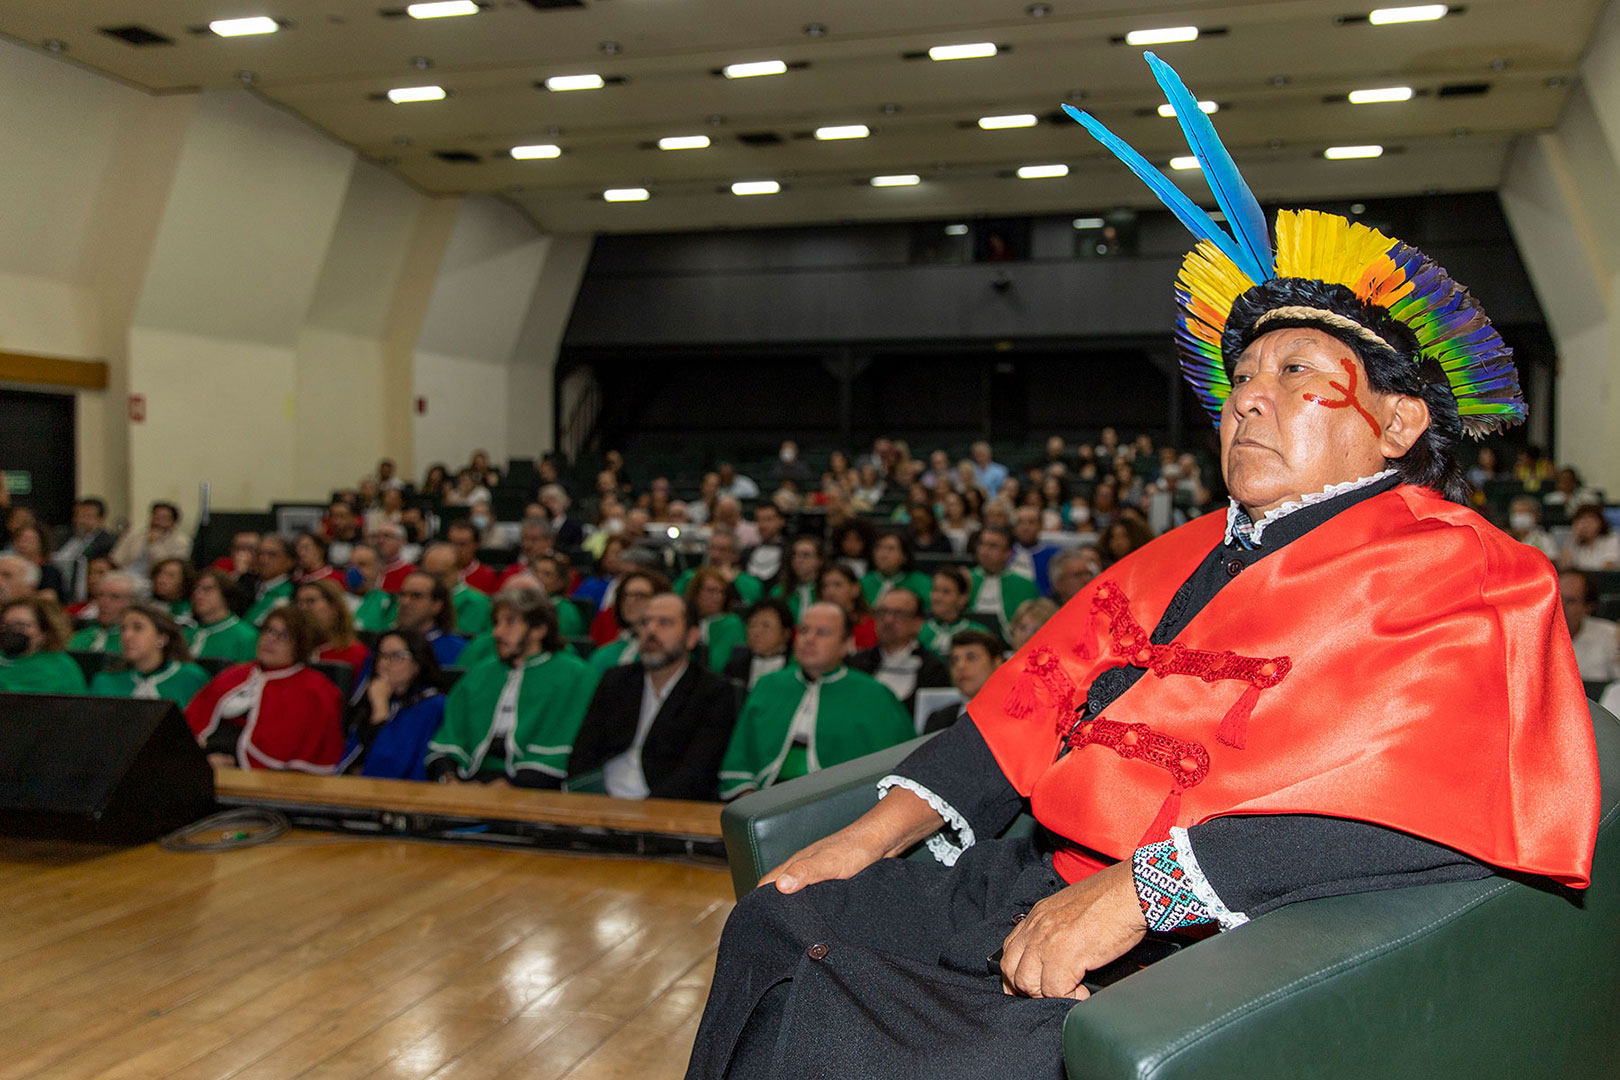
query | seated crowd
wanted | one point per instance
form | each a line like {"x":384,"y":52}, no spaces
{"x":650,"y":646}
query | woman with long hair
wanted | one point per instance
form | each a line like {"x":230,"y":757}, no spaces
{"x":389,"y":727}
{"x":157,"y":664}
{"x":219,"y":633}
{"x":172,"y":582}
{"x":797,"y":586}
{"x":322,"y":602}
{"x":839,"y":585}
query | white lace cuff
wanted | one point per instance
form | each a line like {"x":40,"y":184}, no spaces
{"x":939,"y":845}
{"x":1200,"y":886}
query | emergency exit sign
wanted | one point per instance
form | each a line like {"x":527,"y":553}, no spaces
{"x":19,"y":483}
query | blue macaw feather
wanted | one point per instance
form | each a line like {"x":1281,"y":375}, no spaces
{"x":1189,"y":213}
{"x":1237,"y":202}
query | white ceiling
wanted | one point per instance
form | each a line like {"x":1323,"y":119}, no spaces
{"x":1271,"y":71}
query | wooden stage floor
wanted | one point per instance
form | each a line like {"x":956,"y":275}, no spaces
{"x":325,"y":956}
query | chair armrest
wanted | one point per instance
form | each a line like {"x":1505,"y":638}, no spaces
{"x":763,"y":828}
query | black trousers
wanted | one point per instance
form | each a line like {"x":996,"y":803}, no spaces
{"x":884,"y":975}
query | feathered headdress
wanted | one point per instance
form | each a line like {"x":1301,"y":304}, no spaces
{"x":1326,"y":271}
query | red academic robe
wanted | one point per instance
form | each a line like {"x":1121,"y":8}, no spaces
{"x":605,"y":628}
{"x":295,"y":724}
{"x":395,"y":574}
{"x":1404,"y":664}
{"x":355,"y":656}
{"x":478,"y":576}
{"x":324,"y":573}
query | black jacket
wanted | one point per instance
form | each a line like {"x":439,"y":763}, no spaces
{"x":681,"y":756}
{"x":933,"y":671}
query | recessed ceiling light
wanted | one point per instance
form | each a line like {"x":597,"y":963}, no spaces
{"x":974,"y":51}
{"x":574,"y":82}
{"x":257,"y":24}
{"x":440,"y":9}
{"x":684,"y":142}
{"x":1168,"y":110}
{"x":1169,"y":35}
{"x":1387,"y":93}
{"x":1089,"y":222}
{"x":626,"y":194}
{"x":755,"y":187}
{"x":538,"y":150}
{"x":1418,"y":13}
{"x":752,"y":70}
{"x":402,"y":94}
{"x":1340,"y":153}
{"x":1185,"y":162}
{"x":901,"y":180}
{"x":996,"y":123}
{"x":956,"y":230}
{"x":1041,"y":172}
{"x":843,"y":131}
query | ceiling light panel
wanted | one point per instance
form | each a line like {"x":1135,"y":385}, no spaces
{"x":626,"y":194}
{"x":1380,"y":95}
{"x":403,"y":94}
{"x":1342,"y":153}
{"x":538,"y":150}
{"x":755,"y":187}
{"x":843,"y":131}
{"x":899,"y":180}
{"x":563,"y":83}
{"x":1416,"y":13}
{"x":257,"y":24}
{"x":684,"y":142}
{"x":754,"y":70}
{"x":1016,"y":120}
{"x":441,"y":9}
{"x":975,"y":51}
{"x":1042,"y":172}
{"x":1168,"y":111}
{"x":1183,"y":163}
{"x":1168,"y":35}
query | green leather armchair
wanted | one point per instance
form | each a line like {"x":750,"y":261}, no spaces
{"x":1485,"y":979}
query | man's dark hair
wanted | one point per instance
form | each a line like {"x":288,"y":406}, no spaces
{"x":317,"y":539}
{"x":445,"y":620}
{"x":533,"y":608}
{"x":917,"y":601}
{"x":774,"y":604}
{"x":988,"y":642}
{"x":908,"y":552}
{"x":460,"y":525}
{"x":1393,"y":368}
{"x":100,"y":506}
{"x":170,"y":507}
{"x":1589,"y":587}
{"x":958,"y":577}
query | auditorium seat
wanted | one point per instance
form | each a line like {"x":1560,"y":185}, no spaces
{"x":92,"y":663}
{"x":1497,"y":979}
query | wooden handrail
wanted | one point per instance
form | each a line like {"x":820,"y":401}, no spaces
{"x":665,"y":817}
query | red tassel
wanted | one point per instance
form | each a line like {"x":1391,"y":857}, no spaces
{"x":1082,"y":647}
{"x":1234,"y":729}
{"x":1021,"y":700}
{"x":1160,"y":829}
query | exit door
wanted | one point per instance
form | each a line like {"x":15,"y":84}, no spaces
{"x":38,"y":452}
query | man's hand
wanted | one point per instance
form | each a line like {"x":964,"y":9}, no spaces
{"x":898,"y":821}
{"x":1072,"y":932}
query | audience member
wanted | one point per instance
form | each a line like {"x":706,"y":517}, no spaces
{"x":1597,"y":641}
{"x":1126,"y":535}
{"x":424,"y":605}
{"x":922,"y":530}
{"x":33,"y":631}
{"x":19,"y":578}
{"x":157,"y":664}
{"x":31,"y":542}
{"x":797,"y":585}
{"x":342,"y":531}
{"x":374,"y":610}
{"x":734,"y":485}
{"x":219,"y":633}
{"x":273,"y":565}
{"x":1592,"y":544}
{"x":1524,"y":525}
{"x":1569,"y":492}
{"x":1030,"y":617}
{"x":1072,"y":570}
{"x":712,"y":599}
{"x":899,"y":661}
{"x":996,"y":593}
{"x":764,"y":559}
{"x":894,"y":567}
{"x":1031,"y":556}
{"x":851,"y":544}
{"x":814,"y":714}
{"x":464,"y":541}
{"x":514,"y":722}
{"x":139,"y":547}
{"x":114,"y":593}
{"x":948,"y":601}
{"x":630,"y":598}
{"x":172,"y":582}
{"x":789,"y":466}
{"x":311,"y":561}
{"x":838,"y":585}
{"x":87,"y":538}
{"x":988,"y":474}
{"x":471,"y":605}
{"x":387,"y":476}
{"x":659,"y":727}
{"x":610,"y":563}
{"x":723,"y":555}
{"x":274,"y":713}
{"x":468,"y":489}
{"x":321,"y":601}
{"x":768,"y":640}
{"x":402,"y":707}
{"x":535,"y":541}
{"x":389,"y":541}
{"x":551,"y":574}
{"x":568,"y":532}
{"x":974,"y":656}
{"x":238,"y":561}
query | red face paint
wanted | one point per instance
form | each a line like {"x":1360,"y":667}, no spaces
{"x":1349,"y":398}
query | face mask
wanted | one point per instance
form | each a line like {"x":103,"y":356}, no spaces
{"x":1522,"y":521}
{"x":1080,"y":515}
{"x":1170,"y":472}
{"x":789,"y":456}
{"x":480,"y":521}
{"x":13,"y":643}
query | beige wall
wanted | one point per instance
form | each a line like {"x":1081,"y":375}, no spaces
{"x":279,"y":302}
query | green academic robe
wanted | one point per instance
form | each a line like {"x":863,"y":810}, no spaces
{"x":874,"y":585}
{"x":721,"y":633}
{"x":273,"y":597}
{"x":1015,"y":589}
{"x":936,"y":636}
{"x":41,"y":673}
{"x":376,"y":612}
{"x":472,"y":610}
{"x":229,"y":639}
{"x":855,"y":715}
{"x":173,"y":681}
{"x":97,"y":638}
{"x":802,"y":597}
{"x":621,"y":650}
{"x":478,"y":650}
{"x":554,"y":690}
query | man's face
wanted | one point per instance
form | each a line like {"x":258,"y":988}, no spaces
{"x":112,"y":600}
{"x":1027,"y":526}
{"x":13,"y":586}
{"x":1572,"y":591}
{"x":820,"y":644}
{"x":981,"y":453}
{"x":1075,"y":573}
{"x":993,"y":552}
{"x":1300,"y":417}
{"x":341,"y":518}
{"x":945,"y":600}
{"x":606,"y":482}
{"x":86,"y":518}
{"x":440,"y":562}
{"x":971,"y":666}
{"x":768,"y":519}
{"x":385,"y":470}
{"x":636,"y":592}
{"x":899,"y":618}
{"x":722,"y":550}
{"x":272,"y":559}
{"x":767,"y":636}
{"x":1054,"y":447}
{"x":534,"y":542}
{"x":662,"y":636}
{"x":464,"y":542}
{"x":388,"y":545}
{"x":514,"y":640}
{"x":370,"y":566}
{"x":162,"y":518}
{"x":806,"y":560}
{"x":417,"y":608}
{"x":550,"y":576}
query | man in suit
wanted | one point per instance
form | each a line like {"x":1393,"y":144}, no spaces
{"x":975,"y":655}
{"x":898,"y":660}
{"x":658,"y":727}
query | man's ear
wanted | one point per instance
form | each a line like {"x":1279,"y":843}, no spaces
{"x":1406,"y":418}
{"x":693,"y":636}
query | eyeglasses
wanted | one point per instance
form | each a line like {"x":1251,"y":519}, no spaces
{"x":395,"y":654}
{"x":275,"y":634}
{"x":892,"y":613}
{"x":638,"y":596}
{"x":413,"y":594}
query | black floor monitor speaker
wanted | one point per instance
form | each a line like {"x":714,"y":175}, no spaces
{"x":109,"y":770}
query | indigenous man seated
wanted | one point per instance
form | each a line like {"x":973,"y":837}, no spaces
{"x":658,"y":727}
{"x":815,"y":714}
{"x":513,"y":723}
{"x":1349,"y":681}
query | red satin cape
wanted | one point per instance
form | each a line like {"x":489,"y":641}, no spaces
{"x":1405,"y":664}
{"x":298,"y":723}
